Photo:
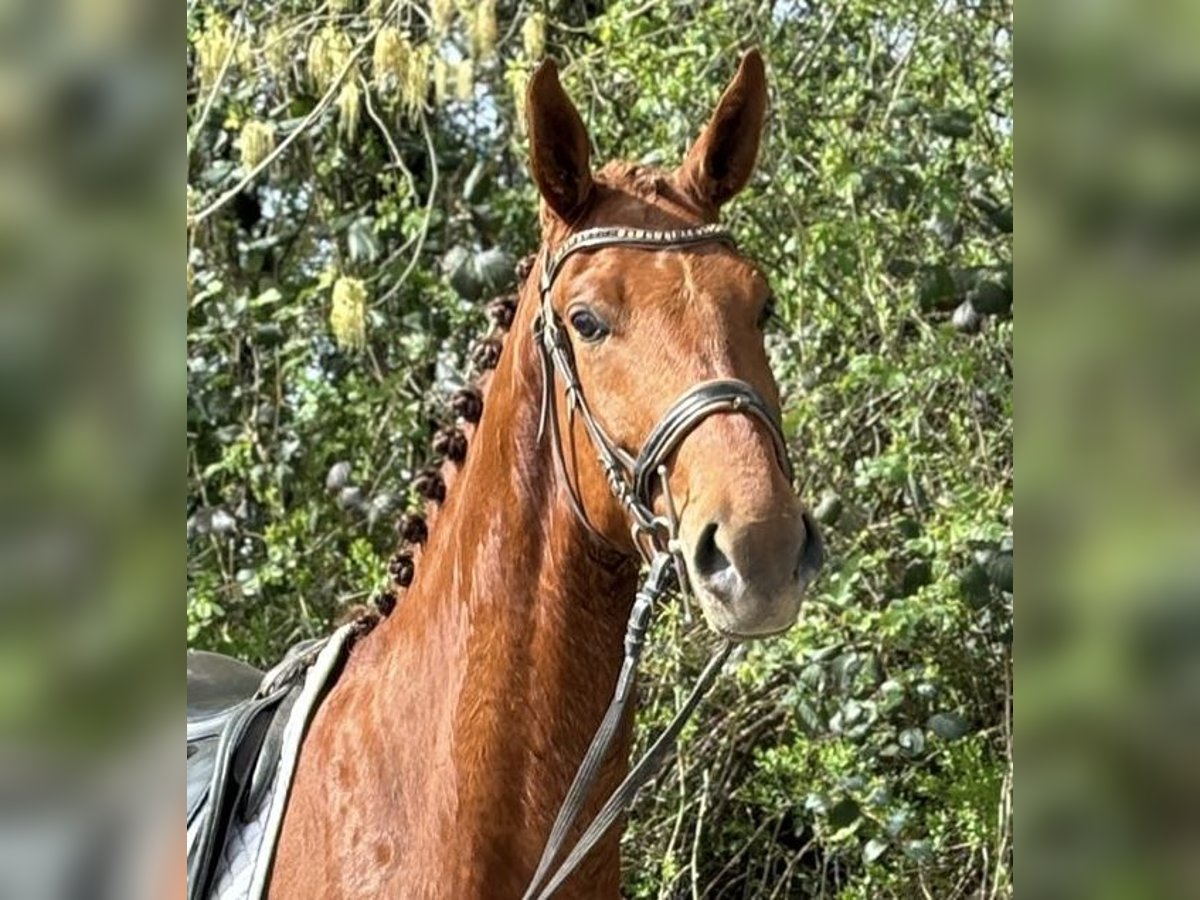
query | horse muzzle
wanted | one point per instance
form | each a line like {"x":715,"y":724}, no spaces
{"x":751,"y":577}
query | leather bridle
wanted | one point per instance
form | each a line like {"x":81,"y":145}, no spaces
{"x":632,"y":480}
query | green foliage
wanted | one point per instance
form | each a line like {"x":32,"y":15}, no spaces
{"x":866,"y":754}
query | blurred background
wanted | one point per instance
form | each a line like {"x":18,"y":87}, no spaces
{"x":1109,"y":656}
{"x":88,"y":409}
{"x":356,"y":194}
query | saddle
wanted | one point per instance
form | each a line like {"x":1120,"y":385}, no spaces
{"x":237,"y":718}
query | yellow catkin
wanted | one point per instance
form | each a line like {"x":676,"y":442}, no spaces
{"x":341,"y":5}
{"x":277,"y":51}
{"x":441,"y":81}
{"x":317,"y":57}
{"x":348,"y":313}
{"x":327,"y":54}
{"x":349,"y":105}
{"x":256,"y":142}
{"x":389,"y":60}
{"x":243,"y":55}
{"x":484,"y":30}
{"x":215,"y":43}
{"x":533,"y":36}
{"x":441,"y":12}
{"x":516,"y":76}
{"x":414,"y":87}
{"x":464,"y":81}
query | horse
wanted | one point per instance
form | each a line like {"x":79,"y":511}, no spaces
{"x":436,"y":765}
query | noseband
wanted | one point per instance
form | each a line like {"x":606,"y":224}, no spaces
{"x":631,"y":479}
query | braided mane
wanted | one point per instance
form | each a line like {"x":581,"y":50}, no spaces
{"x":449,"y":447}
{"x":451,"y":440}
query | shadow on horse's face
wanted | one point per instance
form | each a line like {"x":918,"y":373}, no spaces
{"x":646,"y":325}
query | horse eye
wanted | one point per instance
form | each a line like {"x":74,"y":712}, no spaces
{"x":768,"y":313}
{"x":587,"y":325}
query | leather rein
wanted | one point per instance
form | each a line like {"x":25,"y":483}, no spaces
{"x":632,"y":480}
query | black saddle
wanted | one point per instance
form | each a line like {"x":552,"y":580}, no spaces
{"x":235,"y":720}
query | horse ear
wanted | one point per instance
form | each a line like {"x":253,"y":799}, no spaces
{"x":722,"y":159}
{"x":558,"y":144}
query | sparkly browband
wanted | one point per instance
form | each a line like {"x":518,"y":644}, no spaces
{"x":611,"y":236}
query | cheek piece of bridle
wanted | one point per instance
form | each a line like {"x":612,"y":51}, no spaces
{"x":632,"y":480}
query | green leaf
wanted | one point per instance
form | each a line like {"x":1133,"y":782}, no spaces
{"x":828,"y":509}
{"x":476,"y":275}
{"x":808,"y":716}
{"x":496,"y":270}
{"x":873,"y":849}
{"x":269,"y":297}
{"x":974,"y":585}
{"x":952,"y":123}
{"x":949,"y":726}
{"x":269,"y":334}
{"x":990,"y":297}
{"x":896,"y":822}
{"x":474,"y":181}
{"x":966,"y":318}
{"x":360,"y":239}
{"x":936,"y":289}
{"x":918,"y":850}
{"x":816,"y":803}
{"x":812,"y":675}
{"x":891,"y":694}
{"x":459,"y":265}
{"x":844,"y":813}
{"x":1000,"y":571}
{"x":912,"y":741}
{"x":917,"y":574}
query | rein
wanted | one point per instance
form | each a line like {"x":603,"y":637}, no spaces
{"x":631,"y":479}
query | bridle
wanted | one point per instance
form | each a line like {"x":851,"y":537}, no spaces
{"x":632,"y":479}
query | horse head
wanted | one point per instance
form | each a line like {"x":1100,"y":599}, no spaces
{"x":665,"y":305}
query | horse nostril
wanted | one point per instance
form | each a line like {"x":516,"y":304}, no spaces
{"x":812,"y":553}
{"x":709,"y":560}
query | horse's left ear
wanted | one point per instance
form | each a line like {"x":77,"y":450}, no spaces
{"x":722,"y":159}
{"x":559,"y":154}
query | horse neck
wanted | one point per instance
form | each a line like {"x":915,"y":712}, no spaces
{"x":511,"y":633}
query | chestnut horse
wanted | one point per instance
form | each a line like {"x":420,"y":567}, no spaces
{"x":436,"y":765}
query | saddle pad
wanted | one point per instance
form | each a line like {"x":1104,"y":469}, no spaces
{"x":242,"y":867}
{"x":233,"y":878}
